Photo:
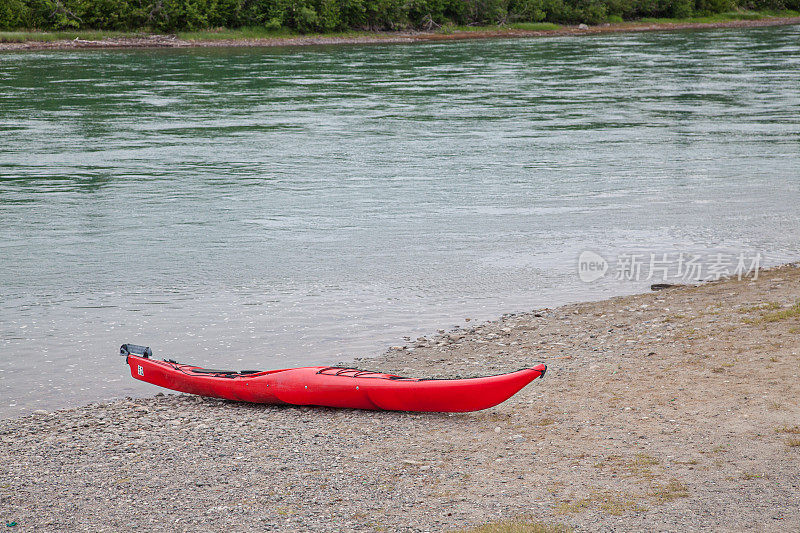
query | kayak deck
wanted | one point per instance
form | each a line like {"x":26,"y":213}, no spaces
{"x":331,"y":386}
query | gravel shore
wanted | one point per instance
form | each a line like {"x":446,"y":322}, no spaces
{"x":674,"y":410}
{"x":171,"y":41}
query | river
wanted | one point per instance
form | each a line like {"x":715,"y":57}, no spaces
{"x":274,"y":207}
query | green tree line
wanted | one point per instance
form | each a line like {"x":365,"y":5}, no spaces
{"x":340,"y":15}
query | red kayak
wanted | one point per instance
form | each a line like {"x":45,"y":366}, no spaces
{"x":330,"y":386}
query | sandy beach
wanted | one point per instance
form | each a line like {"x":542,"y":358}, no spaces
{"x":171,"y":41}
{"x":672,"y":410}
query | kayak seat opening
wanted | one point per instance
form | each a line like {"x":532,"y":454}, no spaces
{"x":227,"y":372}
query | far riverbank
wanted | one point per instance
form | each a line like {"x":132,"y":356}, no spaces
{"x":248,"y":38}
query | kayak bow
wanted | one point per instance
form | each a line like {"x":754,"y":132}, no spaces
{"x":330,"y":386}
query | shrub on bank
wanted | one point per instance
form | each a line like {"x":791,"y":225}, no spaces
{"x":338,"y":15}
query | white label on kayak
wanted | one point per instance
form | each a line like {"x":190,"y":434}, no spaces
{"x":141,"y":370}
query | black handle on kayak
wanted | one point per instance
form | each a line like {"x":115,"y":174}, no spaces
{"x":135,"y":349}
